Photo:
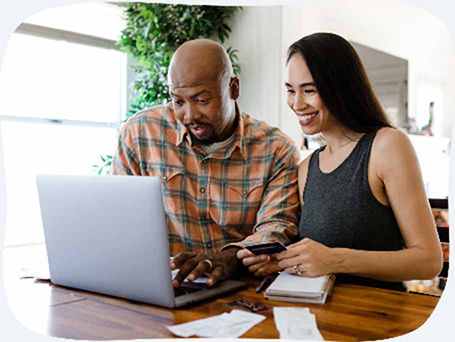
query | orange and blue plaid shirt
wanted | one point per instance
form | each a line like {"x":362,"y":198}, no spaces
{"x":240,"y":195}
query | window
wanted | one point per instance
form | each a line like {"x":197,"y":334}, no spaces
{"x":62,"y":100}
{"x":46,"y":78}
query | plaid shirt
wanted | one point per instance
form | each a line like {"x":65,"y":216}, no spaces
{"x":240,"y":195}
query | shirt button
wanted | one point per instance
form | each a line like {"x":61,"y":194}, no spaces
{"x":203,"y":218}
{"x":244,"y":192}
{"x":204,"y":161}
{"x":165,"y":178}
{"x":202,"y":190}
{"x":208,"y":245}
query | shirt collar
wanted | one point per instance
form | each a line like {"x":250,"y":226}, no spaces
{"x":240,"y":132}
{"x":182,"y":131}
{"x":168,"y":114}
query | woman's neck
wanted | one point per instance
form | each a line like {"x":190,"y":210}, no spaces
{"x":339,"y":137}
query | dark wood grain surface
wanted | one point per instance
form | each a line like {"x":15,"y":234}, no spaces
{"x":352,"y":313}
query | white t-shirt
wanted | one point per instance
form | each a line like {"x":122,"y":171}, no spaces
{"x":209,"y":149}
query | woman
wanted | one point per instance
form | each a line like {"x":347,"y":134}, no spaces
{"x":364,"y":212}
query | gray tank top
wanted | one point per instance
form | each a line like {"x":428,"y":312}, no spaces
{"x":341,"y":211}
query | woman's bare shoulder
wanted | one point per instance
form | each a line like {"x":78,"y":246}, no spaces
{"x":391,"y":139}
{"x":392,"y":149}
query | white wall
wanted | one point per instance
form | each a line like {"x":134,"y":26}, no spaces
{"x":256,"y":33}
{"x":263,"y":34}
{"x":298,"y":21}
{"x":434,"y":163}
{"x":2,"y":188}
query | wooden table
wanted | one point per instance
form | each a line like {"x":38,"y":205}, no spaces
{"x":352,"y":313}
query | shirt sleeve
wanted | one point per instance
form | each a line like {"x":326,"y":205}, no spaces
{"x":125,"y":160}
{"x":277,"y":217}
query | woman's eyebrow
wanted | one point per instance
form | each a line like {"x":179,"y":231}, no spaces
{"x":306,"y":84}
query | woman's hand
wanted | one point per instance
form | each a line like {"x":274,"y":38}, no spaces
{"x":260,"y":265}
{"x":311,"y":259}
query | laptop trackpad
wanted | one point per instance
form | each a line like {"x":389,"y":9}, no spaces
{"x":202,"y":291}
{"x":187,"y":288}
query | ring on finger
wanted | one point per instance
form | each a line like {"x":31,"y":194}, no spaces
{"x":296,"y":269}
{"x":210,"y":264}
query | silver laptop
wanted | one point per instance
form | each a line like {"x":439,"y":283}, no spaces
{"x":107,"y":234}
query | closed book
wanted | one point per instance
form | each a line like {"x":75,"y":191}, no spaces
{"x":293,"y":288}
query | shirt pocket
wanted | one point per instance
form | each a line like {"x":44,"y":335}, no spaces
{"x":236,"y":205}
{"x":174,"y":189}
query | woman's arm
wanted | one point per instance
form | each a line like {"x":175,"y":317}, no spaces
{"x":394,"y":162}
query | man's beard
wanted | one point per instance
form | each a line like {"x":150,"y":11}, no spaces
{"x":203,"y":142}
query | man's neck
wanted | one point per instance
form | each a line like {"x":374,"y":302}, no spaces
{"x":231,"y":126}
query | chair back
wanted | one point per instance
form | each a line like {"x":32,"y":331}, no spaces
{"x":440,"y":208}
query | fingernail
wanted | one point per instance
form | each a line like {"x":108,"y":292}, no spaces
{"x":175,"y":283}
{"x":263,"y":257}
{"x":172,"y":266}
{"x":191,"y":277}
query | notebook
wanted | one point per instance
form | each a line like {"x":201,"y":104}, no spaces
{"x":107,"y":234}
{"x":293,"y":288}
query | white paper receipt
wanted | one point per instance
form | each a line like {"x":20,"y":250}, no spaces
{"x":227,"y":325}
{"x":296,"y":324}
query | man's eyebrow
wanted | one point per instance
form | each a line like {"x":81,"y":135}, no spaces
{"x":306,"y":84}
{"x":192,"y":96}
{"x":200,"y":93}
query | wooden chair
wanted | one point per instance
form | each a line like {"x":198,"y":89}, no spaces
{"x":443,"y":232}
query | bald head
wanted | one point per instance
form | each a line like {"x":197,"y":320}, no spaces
{"x":203,"y":91}
{"x":199,"y":61}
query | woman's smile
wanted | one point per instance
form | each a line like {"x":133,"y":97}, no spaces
{"x":307,"y":119}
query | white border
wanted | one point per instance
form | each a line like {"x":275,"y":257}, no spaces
{"x":440,"y":326}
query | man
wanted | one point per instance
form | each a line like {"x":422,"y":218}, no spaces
{"x":228,"y":180}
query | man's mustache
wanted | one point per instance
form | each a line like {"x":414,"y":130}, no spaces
{"x":195,"y":123}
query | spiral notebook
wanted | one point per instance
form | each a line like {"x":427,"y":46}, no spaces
{"x":292,"y":288}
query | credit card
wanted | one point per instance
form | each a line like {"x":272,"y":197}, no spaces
{"x":266,"y":248}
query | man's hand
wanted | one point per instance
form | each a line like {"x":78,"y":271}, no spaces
{"x":260,"y":265}
{"x":192,"y":265}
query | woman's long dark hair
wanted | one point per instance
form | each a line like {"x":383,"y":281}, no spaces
{"x":341,"y":81}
